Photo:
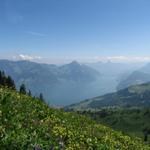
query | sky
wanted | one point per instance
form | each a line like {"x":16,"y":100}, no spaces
{"x":56,"y":31}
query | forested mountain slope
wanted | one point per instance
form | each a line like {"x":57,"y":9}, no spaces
{"x":133,"y":96}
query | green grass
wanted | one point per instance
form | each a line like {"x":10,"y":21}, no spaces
{"x":27,"y":123}
{"x":128,"y":120}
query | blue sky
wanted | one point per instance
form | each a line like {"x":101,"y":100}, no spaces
{"x":58,"y":30}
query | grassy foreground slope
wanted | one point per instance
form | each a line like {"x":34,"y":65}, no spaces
{"x":27,"y":123}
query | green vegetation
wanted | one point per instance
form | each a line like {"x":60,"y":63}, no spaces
{"x":132,"y":121}
{"x":27,"y":123}
{"x":6,"y":81}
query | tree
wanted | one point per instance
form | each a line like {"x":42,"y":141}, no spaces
{"x":29,"y":93}
{"x":6,"y":81}
{"x":23,"y":89}
{"x":10,"y":83}
{"x":41,"y":97}
{"x":146,"y":131}
{"x":3,"y":78}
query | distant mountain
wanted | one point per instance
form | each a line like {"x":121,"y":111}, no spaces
{"x":60,"y":84}
{"x":137,"y":77}
{"x":146,"y":68}
{"x":79,"y":73}
{"x":114,"y":69}
{"x":112,"y":74}
{"x":133,"y":96}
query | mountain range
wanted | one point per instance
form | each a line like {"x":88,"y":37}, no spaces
{"x":139,"y":76}
{"x":59,"y":84}
{"x":133,"y":96}
{"x":72,"y":82}
{"x":114,"y":69}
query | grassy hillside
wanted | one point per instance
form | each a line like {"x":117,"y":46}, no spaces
{"x":133,"y":96}
{"x":28,"y":123}
{"x":130,"y":121}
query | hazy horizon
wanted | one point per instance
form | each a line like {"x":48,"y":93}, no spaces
{"x":58,"y":61}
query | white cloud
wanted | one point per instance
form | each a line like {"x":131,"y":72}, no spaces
{"x":124,"y":58}
{"x":117,"y":59}
{"x":27,"y":57}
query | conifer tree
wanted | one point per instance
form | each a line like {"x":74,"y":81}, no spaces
{"x":29,"y":93}
{"x":1,"y":79}
{"x":23,"y":89}
{"x":41,"y":97}
{"x":6,"y":81}
{"x":10,"y":83}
